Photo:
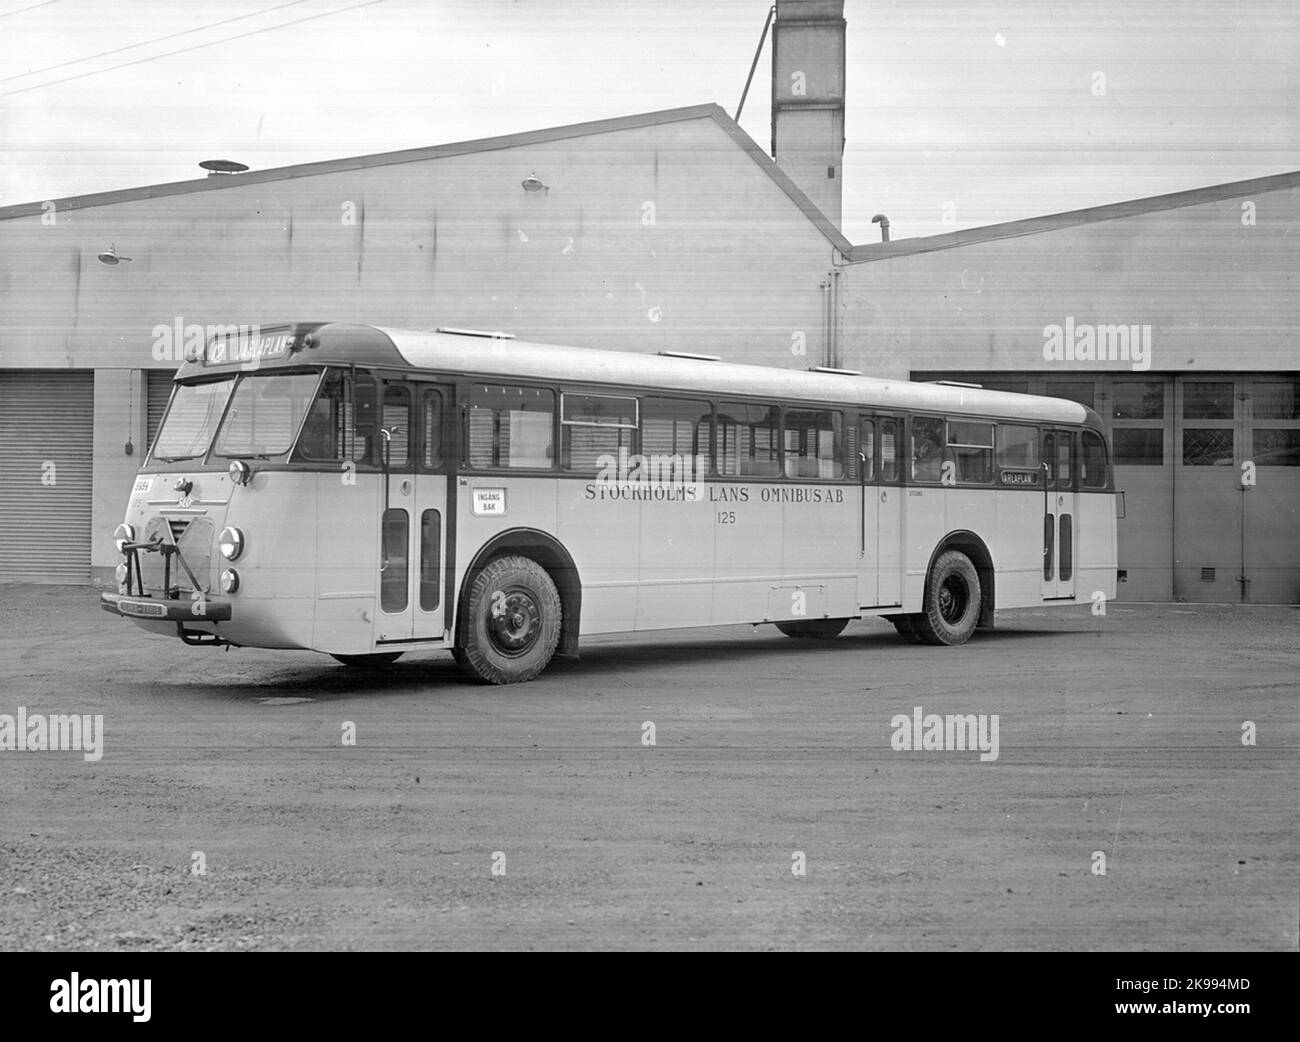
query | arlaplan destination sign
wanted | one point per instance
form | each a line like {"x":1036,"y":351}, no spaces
{"x":247,"y":346}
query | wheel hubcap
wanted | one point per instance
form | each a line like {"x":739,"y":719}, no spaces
{"x":515,"y":624}
{"x":953,"y":597}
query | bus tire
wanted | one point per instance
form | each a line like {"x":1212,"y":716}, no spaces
{"x":906,"y":627}
{"x":379,"y":660}
{"x":952,"y":600}
{"x":512,"y":622}
{"x":813,"y":629}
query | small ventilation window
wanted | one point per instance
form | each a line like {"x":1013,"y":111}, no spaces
{"x":830,"y":173}
{"x":1207,"y":575}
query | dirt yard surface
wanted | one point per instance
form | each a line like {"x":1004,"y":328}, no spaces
{"x":537,"y":816}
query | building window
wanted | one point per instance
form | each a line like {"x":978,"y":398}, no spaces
{"x":1207,"y":446}
{"x":1078,"y":391}
{"x":1207,"y":400}
{"x":1139,"y":446}
{"x":1276,"y":446}
{"x":1138,"y":400}
{"x":1276,"y":400}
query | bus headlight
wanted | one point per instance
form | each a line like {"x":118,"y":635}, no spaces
{"x":229,"y":581}
{"x":240,"y":472}
{"x":231,"y":542}
{"x":119,"y":573}
{"x":122,"y":535}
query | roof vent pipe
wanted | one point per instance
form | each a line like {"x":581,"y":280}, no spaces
{"x":883,"y":221}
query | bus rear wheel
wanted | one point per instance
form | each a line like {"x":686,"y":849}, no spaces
{"x":376,"y":661}
{"x":952,"y":600}
{"x":813,"y":629}
{"x":512,"y":622}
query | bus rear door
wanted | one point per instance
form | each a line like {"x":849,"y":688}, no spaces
{"x":879,"y":575}
{"x":1058,"y":514}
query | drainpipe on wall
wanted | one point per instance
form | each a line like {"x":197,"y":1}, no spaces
{"x":837,"y":353}
{"x":825,"y":287}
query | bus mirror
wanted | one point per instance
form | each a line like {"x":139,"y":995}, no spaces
{"x":366,"y":421}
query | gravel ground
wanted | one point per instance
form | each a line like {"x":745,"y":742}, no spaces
{"x":1119,"y":734}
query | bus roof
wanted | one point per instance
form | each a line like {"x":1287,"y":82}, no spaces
{"x":497,"y":359}
{"x":503,"y":359}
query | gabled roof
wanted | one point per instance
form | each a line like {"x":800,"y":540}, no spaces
{"x":459,"y":148}
{"x":1073,"y":218}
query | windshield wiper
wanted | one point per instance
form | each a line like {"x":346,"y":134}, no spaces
{"x":177,"y":459}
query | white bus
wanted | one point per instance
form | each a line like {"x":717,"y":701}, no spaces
{"x":365,"y":492}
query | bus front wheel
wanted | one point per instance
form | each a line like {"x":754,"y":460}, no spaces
{"x":952,"y":601}
{"x":512,"y":622}
{"x":813,"y":629}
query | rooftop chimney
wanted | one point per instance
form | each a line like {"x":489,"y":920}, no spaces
{"x":808,"y":98}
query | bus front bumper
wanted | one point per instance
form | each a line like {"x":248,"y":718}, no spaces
{"x":210,"y":609}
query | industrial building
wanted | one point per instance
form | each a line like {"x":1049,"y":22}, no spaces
{"x":1173,"y":316}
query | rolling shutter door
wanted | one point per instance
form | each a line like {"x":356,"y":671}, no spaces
{"x":46,"y":465}
{"x":158,"y":390}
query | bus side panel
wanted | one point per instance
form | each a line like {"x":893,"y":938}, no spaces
{"x":821,"y":549}
{"x":747,"y":535}
{"x":1095,"y":545}
{"x":924,"y":524}
{"x":347,"y":563}
{"x":676,"y":562}
{"x":601,"y":531}
{"x":1018,"y":549}
{"x":277,"y":593}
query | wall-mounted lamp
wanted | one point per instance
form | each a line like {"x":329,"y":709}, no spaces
{"x":110,"y":256}
{"x":533,"y":183}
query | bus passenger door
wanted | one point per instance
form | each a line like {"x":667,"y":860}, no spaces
{"x":1058,"y":514}
{"x":879,"y":578}
{"x":413,"y":515}
{"x":889,"y":517}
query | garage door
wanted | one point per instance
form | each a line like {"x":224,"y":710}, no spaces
{"x":46,"y":459}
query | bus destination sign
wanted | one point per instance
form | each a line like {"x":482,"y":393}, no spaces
{"x":1020,"y":477}
{"x":247,"y":346}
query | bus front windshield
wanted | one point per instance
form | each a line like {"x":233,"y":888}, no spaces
{"x":262,"y":417}
{"x":265,"y":414}
{"x":191,"y":420}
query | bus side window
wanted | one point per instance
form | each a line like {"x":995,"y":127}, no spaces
{"x":747,"y":440}
{"x":927,"y":448}
{"x":1092,"y":467}
{"x":676,"y":437}
{"x":889,"y":439}
{"x":1064,"y":459}
{"x":510,"y":427}
{"x":397,"y":420}
{"x":593,"y":426}
{"x":432,"y":410}
{"x":814,"y":444}
{"x":970,"y":447}
{"x":327,"y":432}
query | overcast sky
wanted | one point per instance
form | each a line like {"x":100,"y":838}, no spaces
{"x":979,"y":112}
